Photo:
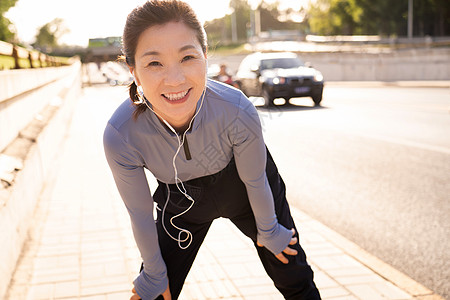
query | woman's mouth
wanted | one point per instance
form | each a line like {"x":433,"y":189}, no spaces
{"x":177,"y":97}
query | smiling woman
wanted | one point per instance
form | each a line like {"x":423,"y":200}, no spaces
{"x":172,"y":71}
{"x":225,"y":170}
{"x":148,"y":53}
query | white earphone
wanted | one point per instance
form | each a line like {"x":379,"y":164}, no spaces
{"x":179,"y":184}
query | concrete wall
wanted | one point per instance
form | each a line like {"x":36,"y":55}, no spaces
{"x":386,"y":65}
{"x":15,"y":82}
{"x":23,"y":94}
{"x":414,"y":64}
{"x":18,"y":202}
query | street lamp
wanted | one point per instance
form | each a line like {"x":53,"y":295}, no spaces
{"x":410,"y":19}
{"x":234,"y":37}
{"x":255,"y":18}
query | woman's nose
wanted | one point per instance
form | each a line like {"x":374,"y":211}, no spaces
{"x":174,"y":76}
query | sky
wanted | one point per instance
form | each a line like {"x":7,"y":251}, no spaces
{"x":87,"y":19}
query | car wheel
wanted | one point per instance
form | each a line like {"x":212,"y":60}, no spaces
{"x":243,"y":90}
{"x":317,"y":98}
{"x":268,"y":99}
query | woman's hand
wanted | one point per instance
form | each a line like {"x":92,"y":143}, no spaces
{"x":166,"y":295}
{"x":135,"y":295}
{"x":288,"y":250}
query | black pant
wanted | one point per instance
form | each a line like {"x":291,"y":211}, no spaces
{"x":224,"y":195}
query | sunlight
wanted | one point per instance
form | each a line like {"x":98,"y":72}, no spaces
{"x":87,"y":19}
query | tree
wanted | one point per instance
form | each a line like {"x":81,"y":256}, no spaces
{"x":270,"y":18}
{"x":219,"y":30}
{"x":242,"y":11}
{"x":431,"y":17}
{"x":6,"y":34}
{"x":318,"y":13}
{"x":331,"y":17}
{"x":383,"y":17}
{"x":387,"y":17}
{"x":49,"y":34}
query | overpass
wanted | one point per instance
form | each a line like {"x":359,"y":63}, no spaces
{"x":103,"y":49}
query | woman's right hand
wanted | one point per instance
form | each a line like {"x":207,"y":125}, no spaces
{"x":166,"y":295}
{"x":288,"y":250}
{"x":135,"y":295}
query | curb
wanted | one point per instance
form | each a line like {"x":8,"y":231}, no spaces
{"x":410,"y":84}
{"x":375,"y":264}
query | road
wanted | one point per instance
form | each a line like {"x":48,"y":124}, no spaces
{"x":373,"y":163}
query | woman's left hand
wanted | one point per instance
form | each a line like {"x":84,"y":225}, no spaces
{"x":288,"y":250}
{"x":135,"y":295}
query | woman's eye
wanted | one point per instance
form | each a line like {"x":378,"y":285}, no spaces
{"x":187,"y":57}
{"x":154,"y":64}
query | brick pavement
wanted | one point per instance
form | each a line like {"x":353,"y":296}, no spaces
{"x":81,"y":245}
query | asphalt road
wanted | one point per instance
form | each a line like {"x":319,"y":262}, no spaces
{"x":373,"y":163}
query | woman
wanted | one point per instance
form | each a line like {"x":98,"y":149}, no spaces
{"x":202,"y":140}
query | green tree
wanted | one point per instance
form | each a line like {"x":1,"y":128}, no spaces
{"x":270,"y":18}
{"x":242,"y":10}
{"x":387,"y":17}
{"x":331,"y":17}
{"x":219,"y":30}
{"x":383,"y":17}
{"x":49,"y":34}
{"x":431,"y":17}
{"x":318,"y":19}
{"x":442,"y":17}
{"x":6,"y":34}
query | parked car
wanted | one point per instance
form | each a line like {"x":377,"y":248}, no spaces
{"x":279,"y":75}
{"x":116,"y":73}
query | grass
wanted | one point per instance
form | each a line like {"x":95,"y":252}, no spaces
{"x":7,"y":62}
{"x":232,"y":49}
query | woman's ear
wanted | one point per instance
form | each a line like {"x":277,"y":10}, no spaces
{"x":132,"y":71}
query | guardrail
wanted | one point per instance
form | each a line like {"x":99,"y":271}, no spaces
{"x":396,"y":42}
{"x":24,"y":58}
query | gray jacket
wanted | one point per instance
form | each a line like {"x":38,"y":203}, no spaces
{"x":226,"y":126}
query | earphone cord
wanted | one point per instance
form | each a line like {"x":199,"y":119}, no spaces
{"x":179,"y":184}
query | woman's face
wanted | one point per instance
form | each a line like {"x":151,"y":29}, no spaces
{"x":171,"y":67}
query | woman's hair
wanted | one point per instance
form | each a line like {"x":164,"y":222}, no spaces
{"x":155,"y":12}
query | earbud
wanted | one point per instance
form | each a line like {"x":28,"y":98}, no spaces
{"x":139,"y":88}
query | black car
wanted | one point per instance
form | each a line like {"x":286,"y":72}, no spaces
{"x":279,"y":75}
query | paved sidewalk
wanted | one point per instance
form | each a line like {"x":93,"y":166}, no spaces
{"x":82,"y":246}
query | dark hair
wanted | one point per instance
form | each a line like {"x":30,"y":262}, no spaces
{"x":155,"y":12}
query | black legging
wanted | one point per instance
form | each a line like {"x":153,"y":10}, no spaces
{"x":224,"y":195}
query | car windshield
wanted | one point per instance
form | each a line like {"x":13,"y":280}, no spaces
{"x":281,"y":63}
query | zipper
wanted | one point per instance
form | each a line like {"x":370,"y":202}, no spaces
{"x":187,"y":152}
